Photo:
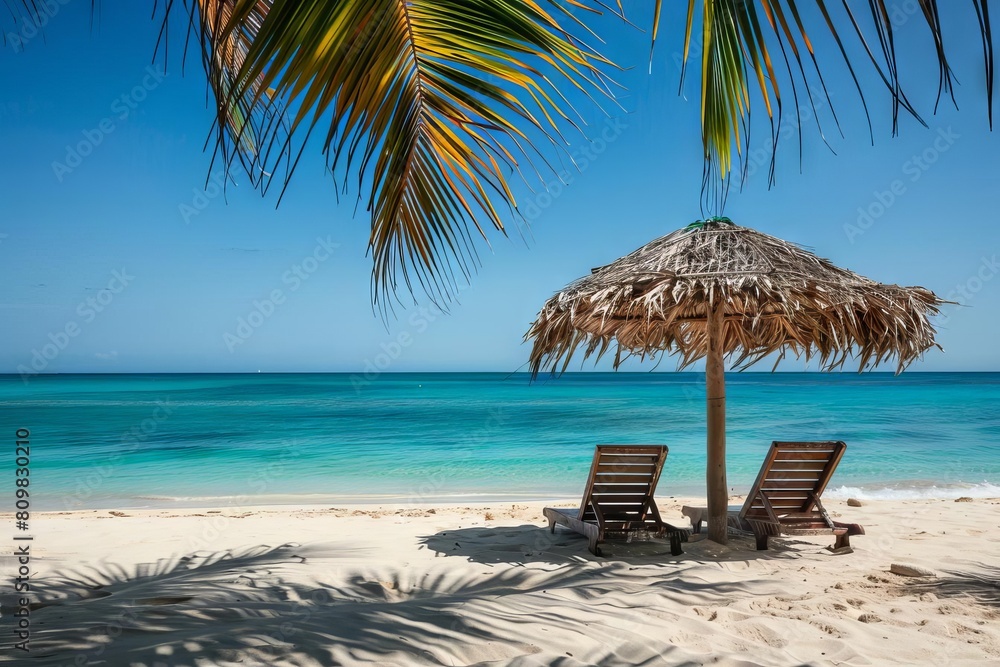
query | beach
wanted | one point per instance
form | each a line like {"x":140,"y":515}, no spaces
{"x":487,"y":584}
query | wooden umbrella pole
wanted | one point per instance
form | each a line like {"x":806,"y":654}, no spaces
{"x":715,"y":380}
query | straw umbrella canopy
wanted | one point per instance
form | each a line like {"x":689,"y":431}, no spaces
{"x":717,"y":290}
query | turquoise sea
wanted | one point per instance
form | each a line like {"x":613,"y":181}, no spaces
{"x":189,"y":440}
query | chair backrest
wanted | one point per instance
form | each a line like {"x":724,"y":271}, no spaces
{"x":622,"y":481}
{"x":792,"y":475}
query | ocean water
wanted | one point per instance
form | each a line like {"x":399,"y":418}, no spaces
{"x":189,"y":440}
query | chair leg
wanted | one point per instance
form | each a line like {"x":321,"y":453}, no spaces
{"x":552,"y":526}
{"x":842,"y":541}
{"x":761,"y":541}
{"x":594,"y":549}
{"x":675,"y":544}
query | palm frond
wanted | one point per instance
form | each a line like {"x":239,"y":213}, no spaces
{"x":251,"y":126}
{"x":429,"y":104}
{"x":30,"y":17}
{"x":744,"y":39}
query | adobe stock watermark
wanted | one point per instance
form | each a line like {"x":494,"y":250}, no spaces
{"x":15,"y":110}
{"x":273,"y":643}
{"x":475,"y":441}
{"x":95,"y":476}
{"x":964,"y":292}
{"x":914,"y":168}
{"x":901,"y":12}
{"x":260,"y":482}
{"x":87,"y":311}
{"x":263,"y":309}
{"x":31,"y":26}
{"x":694,"y":47}
{"x":392,"y":349}
{"x":806,"y":113}
{"x":121,"y":108}
{"x":582,"y":158}
{"x":200,"y":199}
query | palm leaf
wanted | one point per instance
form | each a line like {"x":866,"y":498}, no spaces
{"x":743,"y":39}
{"x":429,"y":104}
{"x":251,"y":126}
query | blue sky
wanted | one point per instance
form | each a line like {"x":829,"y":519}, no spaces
{"x":126,"y":249}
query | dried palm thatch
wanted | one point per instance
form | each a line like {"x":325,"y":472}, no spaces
{"x":775,"y":296}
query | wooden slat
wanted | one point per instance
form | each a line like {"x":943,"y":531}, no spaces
{"x":614,"y":459}
{"x":634,"y":449}
{"x":808,"y":444}
{"x":799,"y":465}
{"x":647,"y":468}
{"x":797,"y":521}
{"x":783,"y":504}
{"x":619,"y":478}
{"x":621,"y":488}
{"x":604,"y":499}
{"x":796,"y":474}
{"x":764,"y":516}
{"x":629,"y":526}
{"x":787,"y":495}
{"x":786,"y":485}
{"x":810,"y":455}
{"x":811,"y":475}
{"x":626,"y":470}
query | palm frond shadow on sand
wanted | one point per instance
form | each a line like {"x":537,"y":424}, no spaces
{"x":289,"y":605}
{"x":979,"y":584}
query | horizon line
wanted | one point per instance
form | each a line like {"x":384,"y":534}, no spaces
{"x":508,"y":373}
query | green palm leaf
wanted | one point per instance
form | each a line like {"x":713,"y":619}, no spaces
{"x":744,"y":40}
{"x":429,"y":104}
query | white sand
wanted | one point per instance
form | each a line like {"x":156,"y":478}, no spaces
{"x":457,"y":586}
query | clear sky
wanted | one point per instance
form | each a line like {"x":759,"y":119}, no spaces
{"x":126,"y":249}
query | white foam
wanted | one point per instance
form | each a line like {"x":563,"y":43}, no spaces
{"x":266,"y":498}
{"x":916,"y":492}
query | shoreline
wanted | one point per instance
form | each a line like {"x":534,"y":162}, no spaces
{"x":465,"y":507}
{"x":902,"y":490}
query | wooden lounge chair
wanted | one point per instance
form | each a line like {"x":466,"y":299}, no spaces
{"x":618,"y":499}
{"x":785,"y":499}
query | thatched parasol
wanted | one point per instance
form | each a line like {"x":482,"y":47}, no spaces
{"x":715,"y":290}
